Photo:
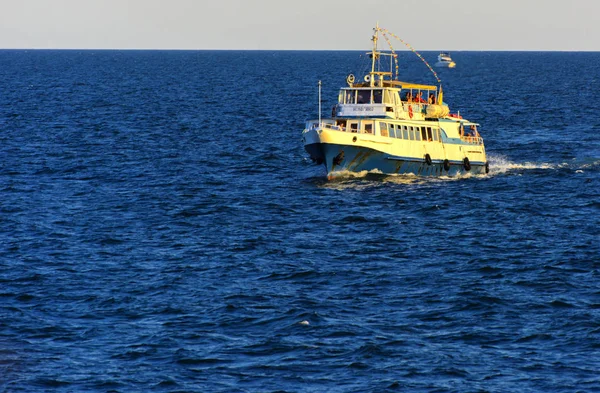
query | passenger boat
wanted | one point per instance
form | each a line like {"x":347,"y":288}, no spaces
{"x":384,"y":125}
{"x":444,"y":60}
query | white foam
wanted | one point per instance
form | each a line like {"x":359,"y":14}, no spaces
{"x":500,"y":164}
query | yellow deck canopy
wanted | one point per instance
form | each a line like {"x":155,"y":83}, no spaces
{"x":407,"y":85}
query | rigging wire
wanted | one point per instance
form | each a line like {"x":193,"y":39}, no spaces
{"x":383,"y":31}
{"x":394,"y":55}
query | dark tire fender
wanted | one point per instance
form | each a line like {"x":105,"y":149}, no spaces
{"x":467,"y":164}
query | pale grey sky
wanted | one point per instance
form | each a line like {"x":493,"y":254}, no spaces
{"x":300,"y":24}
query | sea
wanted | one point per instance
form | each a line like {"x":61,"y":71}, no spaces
{"x":163,"y":230}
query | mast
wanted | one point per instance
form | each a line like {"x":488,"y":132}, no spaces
{"x":319,"y":103}
{"x":374,"y":54}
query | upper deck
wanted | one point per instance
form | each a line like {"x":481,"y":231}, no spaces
{"x":391,"y":99}
{"x":379,"y":95}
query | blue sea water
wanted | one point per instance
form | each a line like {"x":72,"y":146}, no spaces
{"x":163,"y":230}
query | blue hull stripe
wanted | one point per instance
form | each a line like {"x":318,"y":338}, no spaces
{"x":341,"y":158}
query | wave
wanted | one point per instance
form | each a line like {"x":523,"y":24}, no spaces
{"x":500,"y":164}
{"x":365,"y":179}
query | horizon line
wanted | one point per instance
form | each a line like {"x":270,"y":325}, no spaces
{"x":302,"y":50}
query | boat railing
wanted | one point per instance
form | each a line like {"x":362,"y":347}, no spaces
{"x":339,"y":127}
{"x":314,"y":124}
{"x":333,"y":127}
{"x":416,"y":106}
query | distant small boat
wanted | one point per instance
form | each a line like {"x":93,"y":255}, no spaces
{"x":444,"y":60}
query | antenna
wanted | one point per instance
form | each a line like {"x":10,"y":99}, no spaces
{"x":319,"y":103}
{"x":374,"y":52}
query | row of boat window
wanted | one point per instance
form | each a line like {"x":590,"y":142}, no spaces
{"x":378,"y":96}
{"x":409,"y":133}
{"x":365,"y":97}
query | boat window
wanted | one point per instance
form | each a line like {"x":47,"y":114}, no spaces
{"x":392,"y":131}
{"x":368,"y":128}
{"x":350,"y":96}
{"x":424,"y":134}
{"x":439,"y":134}
{"x":435,"y":134}
{"x":377,"y":96}
{"x":364,"y":97}
{"x":429,"y":135}
{"x":417,"y":134}
{"x":383,"y":131}
{"x":353,"y":127}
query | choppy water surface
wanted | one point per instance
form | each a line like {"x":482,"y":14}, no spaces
{"x":162,"y":229}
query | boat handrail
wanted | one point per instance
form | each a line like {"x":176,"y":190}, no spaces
{"x":333,"y":127}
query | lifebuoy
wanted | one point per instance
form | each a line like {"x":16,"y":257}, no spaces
{"x":410,"y":112}
{"x":467,"y":164}
{"x":427,"y":159}
{"x":446,"y":165}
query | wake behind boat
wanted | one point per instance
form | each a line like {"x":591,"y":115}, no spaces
{"x":444,"y":60}
{"x":384,"y":125}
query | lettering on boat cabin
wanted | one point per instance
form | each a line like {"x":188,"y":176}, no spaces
{"x":363,"y":108}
